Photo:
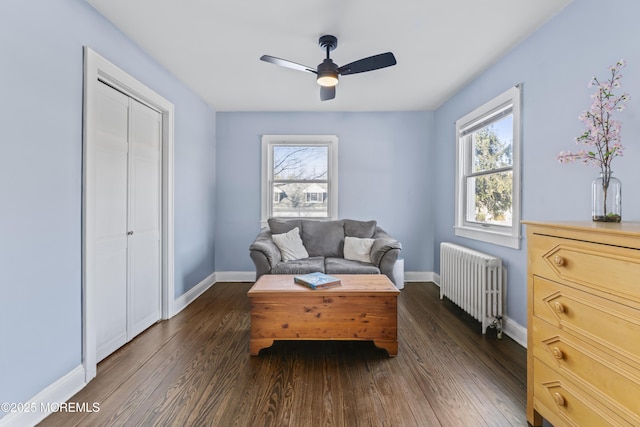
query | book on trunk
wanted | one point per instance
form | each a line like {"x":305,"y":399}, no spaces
{"x":317,"y":280}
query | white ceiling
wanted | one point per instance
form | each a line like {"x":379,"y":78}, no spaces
{"x":214,"y":46}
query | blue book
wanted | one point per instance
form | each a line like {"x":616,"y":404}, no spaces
{"x":317,"y":280}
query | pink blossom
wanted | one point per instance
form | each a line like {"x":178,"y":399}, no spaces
{"x":602,"y":132}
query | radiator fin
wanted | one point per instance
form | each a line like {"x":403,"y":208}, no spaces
{"x":473,"y":281}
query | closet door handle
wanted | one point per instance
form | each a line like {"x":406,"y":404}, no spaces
{"x":130,"y":233}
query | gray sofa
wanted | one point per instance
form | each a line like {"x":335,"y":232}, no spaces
{"x":324,"y":241}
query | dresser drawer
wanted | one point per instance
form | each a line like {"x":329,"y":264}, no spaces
{"x":601,"y":373}
{"x":566,"y":404}
{"x":611,"y":326}
{"x":611,"y":269}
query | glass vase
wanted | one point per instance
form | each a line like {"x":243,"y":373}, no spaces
{"x":606,"y":198}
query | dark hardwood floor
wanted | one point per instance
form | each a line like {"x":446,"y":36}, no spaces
{"x":195,"y":370}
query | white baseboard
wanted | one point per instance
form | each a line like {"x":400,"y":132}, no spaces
{"x":421,"y":276}
{"x":190,"y":296}
{"x":235,"y":276}
{"x":48,"y":400}
{"x":516,"y":331}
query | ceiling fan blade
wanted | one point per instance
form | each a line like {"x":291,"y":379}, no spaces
{"x":327,"y":93}
{"x":368,"y":64}
{"x":287,"y":64}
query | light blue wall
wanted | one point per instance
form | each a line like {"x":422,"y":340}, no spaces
{"x":385,"y":170}
{"x":41,"y":45}
{"x":555,"y":65}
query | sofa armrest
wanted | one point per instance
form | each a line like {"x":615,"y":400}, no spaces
{"x":384,"y":252}
{"x":264,"y":253}
{"x":383,"y":243}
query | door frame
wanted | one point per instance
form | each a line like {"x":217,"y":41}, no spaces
{"x":96,"y":69}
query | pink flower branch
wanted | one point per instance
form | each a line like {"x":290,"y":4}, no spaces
{"x":602,"y":133}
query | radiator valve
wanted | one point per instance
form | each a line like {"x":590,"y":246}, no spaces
{"x":497,"y":323}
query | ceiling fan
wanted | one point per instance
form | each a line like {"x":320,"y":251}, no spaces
{"x":328,"y":72}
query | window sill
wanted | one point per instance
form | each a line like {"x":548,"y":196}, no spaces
{"x":489,"y":236}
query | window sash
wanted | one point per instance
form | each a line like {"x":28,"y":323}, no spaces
{"x":487,"y":119}
{"x":472,"y":206}
{"x":483,"y":122}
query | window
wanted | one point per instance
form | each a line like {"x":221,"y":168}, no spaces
{"x":299,"y":176}
{"x":488,"y":172}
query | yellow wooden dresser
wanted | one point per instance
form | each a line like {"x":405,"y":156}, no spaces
{"x":583,"y":354}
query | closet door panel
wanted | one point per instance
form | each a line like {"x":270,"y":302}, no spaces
{"x":144,"y":217}
{"x":110,"y":213}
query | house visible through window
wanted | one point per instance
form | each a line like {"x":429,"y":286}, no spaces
{"x":277,"y":195}
{"x":488,"y":165}
{"x":299,"y":176}
{"x":315,"y":194}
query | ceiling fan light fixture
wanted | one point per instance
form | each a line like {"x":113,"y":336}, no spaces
{"x":327,"y":73}
{"x":327,"y":78}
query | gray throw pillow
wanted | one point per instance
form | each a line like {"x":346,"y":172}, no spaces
{"x":323,"y":238}
{"x":360,"y":229}
{"x":279,"y":226}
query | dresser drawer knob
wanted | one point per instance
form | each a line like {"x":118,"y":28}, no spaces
{"x":558,"y":260}
{"x":557,"y":397}
{"x":557,"y":353}
{"x":559,"y":307}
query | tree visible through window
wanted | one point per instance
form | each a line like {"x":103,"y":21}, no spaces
{"x":300,"y":176}
{"x":491,"y":179}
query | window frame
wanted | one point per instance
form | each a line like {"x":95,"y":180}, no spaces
{"x":270,"y":141}
{"x":492,"y":111}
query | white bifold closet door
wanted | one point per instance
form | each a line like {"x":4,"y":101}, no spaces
{"x":127,"y":213}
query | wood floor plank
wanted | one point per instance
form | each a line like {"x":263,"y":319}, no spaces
{"x":195,"y":369}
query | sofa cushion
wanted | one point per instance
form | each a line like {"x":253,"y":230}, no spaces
{"x":356,"y":249}
{"x":323,"y":238}
{"x":290,"y":245}
{"x":345,"y":266}
{"x":279,"y":226}
{"x":299,"y":266}
{"x":361,"y":229}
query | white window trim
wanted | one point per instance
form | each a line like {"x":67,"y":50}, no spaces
{"x":499,"y":235}
{"x":267,"y":172}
